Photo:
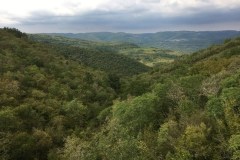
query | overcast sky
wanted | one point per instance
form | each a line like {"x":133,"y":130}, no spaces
{"x":136,"y":16}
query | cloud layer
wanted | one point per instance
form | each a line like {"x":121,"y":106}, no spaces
{"x":120,"y":15}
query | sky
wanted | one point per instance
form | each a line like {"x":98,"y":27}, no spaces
{"x":133,"y":16}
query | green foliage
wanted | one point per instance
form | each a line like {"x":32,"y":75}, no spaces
{"x":76,"y":114}
{"x":167,"y":135}
{"x":135,"y":86}
{"x":231,"y":99}
{"x":44,"y":97}
{"x":186,"y":107}
{"x":136,"y":113}
{"x":191,"y":85}
{"x":52,"y":106}
{"x":22,"y":146}
{"x":194,"y":140}
{"x":75,"y":148}
{"x":15,"y":32}
{"x":9,"y":91}
{"x":234,"y":146}
{"x":181,"y":154}
{"x":8,"y":120}
{"x":42,"y":143}
{"x":215,"y":107}
{"x":95,"y":54}
{"x":232,"y":81}
{"x":118,"y":144}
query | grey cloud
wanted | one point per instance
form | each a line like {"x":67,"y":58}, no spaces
{"x":151,"y":1}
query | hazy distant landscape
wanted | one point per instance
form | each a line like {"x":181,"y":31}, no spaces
{"x":120,"y":80}
{"x":183,"y":41}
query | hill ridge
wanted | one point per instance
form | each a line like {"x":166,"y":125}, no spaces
{"x":195,"y":40}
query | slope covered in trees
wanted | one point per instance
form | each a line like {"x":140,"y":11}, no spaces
{"x":54,"y":108}
{"x":95,"y":54}
{"x":148,"y":56}
{"x":44,"y":97}
{"x":186,"y":110}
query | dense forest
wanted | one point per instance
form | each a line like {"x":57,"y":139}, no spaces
{"x":94,"y":54}
{"x":110,"y":50}
{"x":53,"y":106}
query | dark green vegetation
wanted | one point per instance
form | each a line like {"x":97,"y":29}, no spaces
{"x":184,"y":41}
{"x":111,"y":50}
{"x":53,"y":107}
{"x":94,"y":54}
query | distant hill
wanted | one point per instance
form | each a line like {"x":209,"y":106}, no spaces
{"x":184,"y":41}
{"x":97,"y":55}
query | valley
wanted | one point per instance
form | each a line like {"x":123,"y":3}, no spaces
{"x":100,"y":99}
{"x":149,"y":56}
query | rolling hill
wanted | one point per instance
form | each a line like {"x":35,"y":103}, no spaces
{"x":184,"y":41}
{"x":97,"y":55}
{"x":148,"y":56}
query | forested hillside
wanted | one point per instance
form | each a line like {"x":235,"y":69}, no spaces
{"x":189,"y":109}
{"x":95,"y":54}
{"x":183,"y":41}
{"x":53,"y":107}
{"x":45,"y":97}
{"x":148,"y":56}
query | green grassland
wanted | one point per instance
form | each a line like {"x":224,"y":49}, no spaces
{"x":150,"y":56}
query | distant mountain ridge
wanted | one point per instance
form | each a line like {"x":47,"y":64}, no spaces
{"x":184,"y":41}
